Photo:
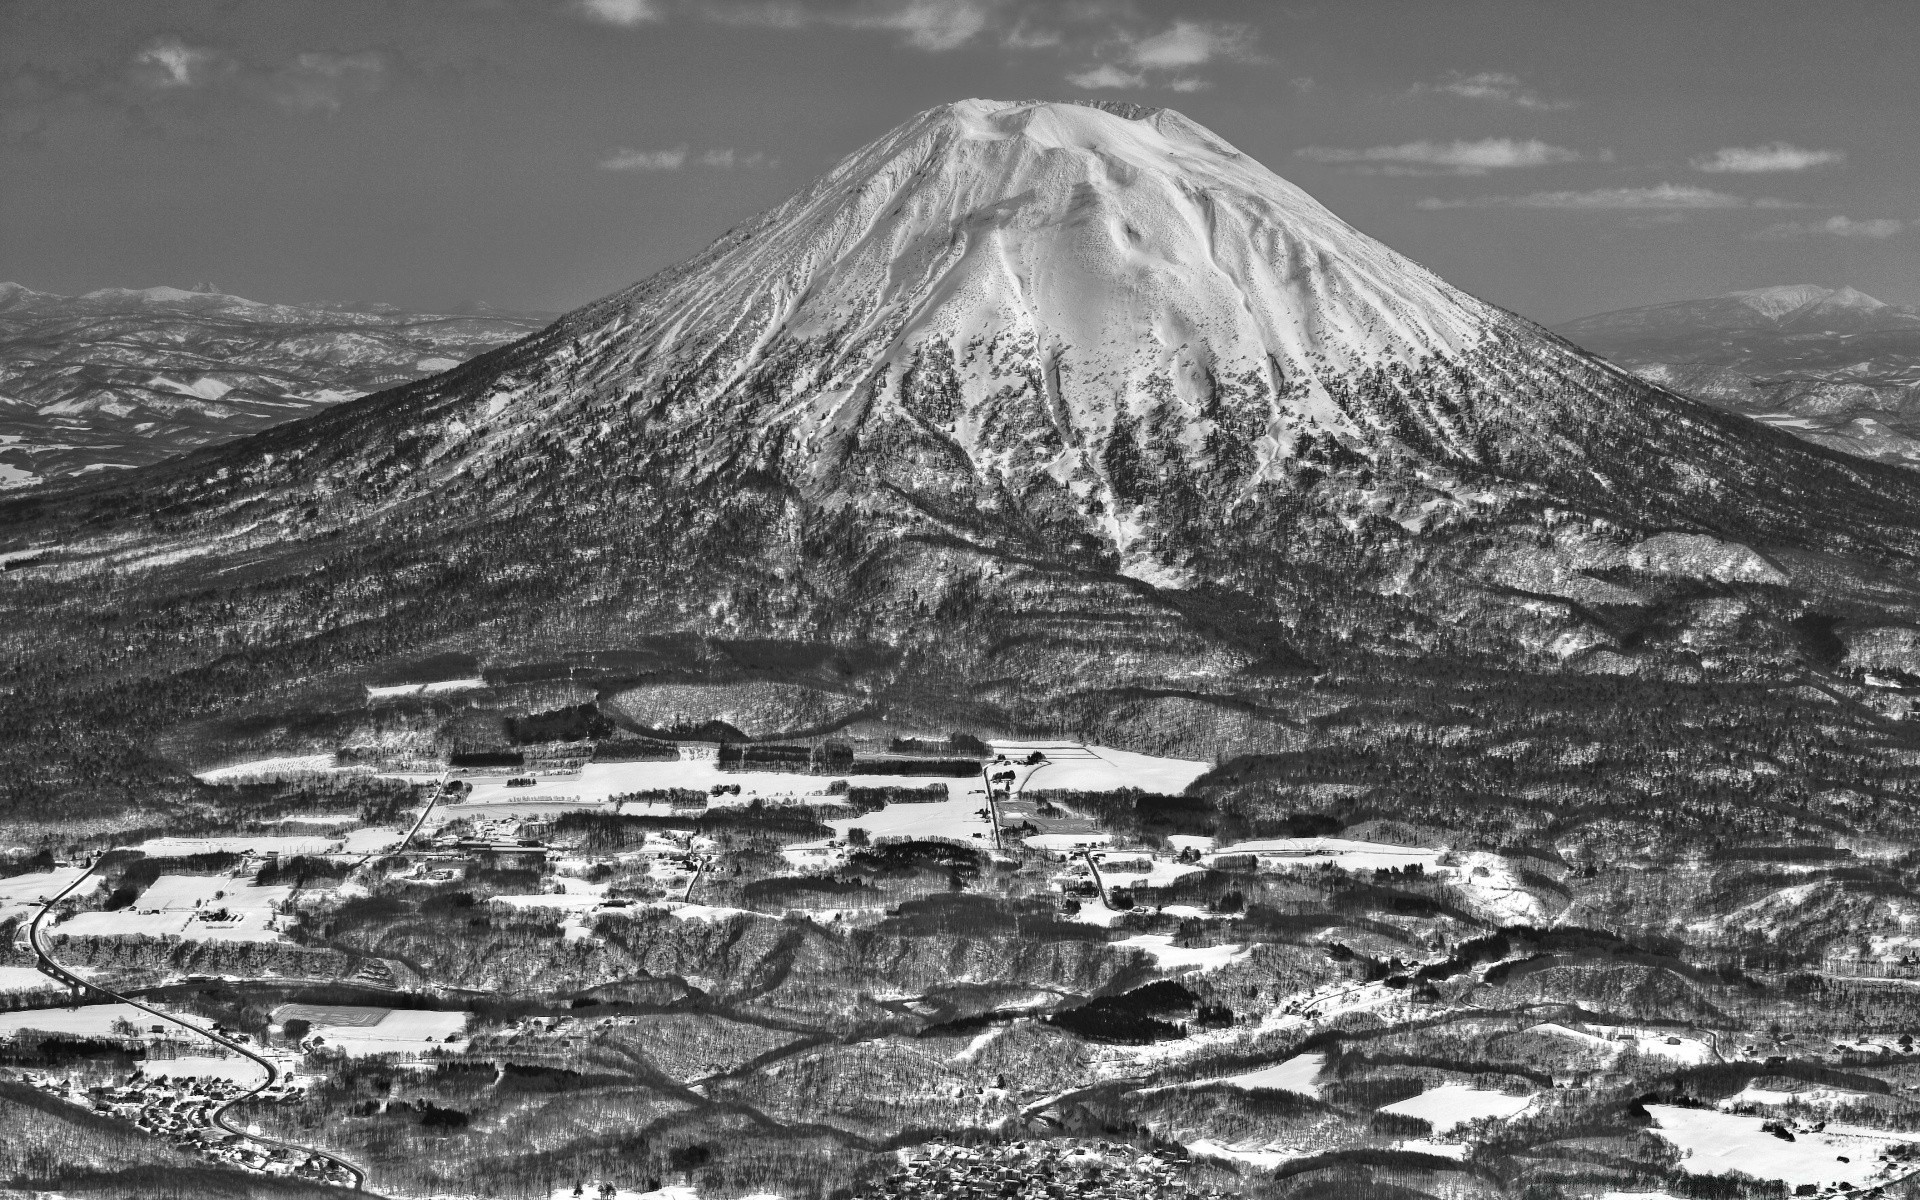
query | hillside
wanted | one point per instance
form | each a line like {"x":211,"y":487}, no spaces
{"x":122,"y":377}
{"x":1832,"y":365}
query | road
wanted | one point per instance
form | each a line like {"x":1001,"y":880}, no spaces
{"x":49,"y":966}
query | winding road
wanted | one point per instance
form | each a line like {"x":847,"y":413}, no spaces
{"x":49,"y":966}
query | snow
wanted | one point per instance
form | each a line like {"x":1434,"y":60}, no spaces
{"x":283,"y":844}
{"x":25,"y":979}
{"x":1297,"y":1074}
{"x":1717,"y":1142}
{"x":271,"y":768}
{"x":1254,"y":1156}
{"x":1496,"y":888}
{"x":1066,"y":841}
{"x":1455,"y":1104}
{"x":436,"y":364}
{"x":90,"y":1020}
{"x":1168,"y":956}
{"x":235,"y":1068}
{"x":959,"y":819}
{"x":178,"y":906}
{"x":396,"y":1031}
{"x":1074,"y":767}
{"x":20,"y":895}
{"x":435,"y":688}
{"x":1342,"y":852}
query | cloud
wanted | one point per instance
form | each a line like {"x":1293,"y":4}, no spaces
{"x":320,"y":81}
{"x":1876,"y":228}
{"x":728,"y":159}
{"x":928,"y":24}
{"x":931,"y":25}
{"x":1449,"y":158}
{"x":1189,"y":44}
{"x":1166,"y":59}
{"x":168,"y":62}
{"x":645,"y":160}
{"x":1774,"y":156}
{"x":1491,"y":87}
{"x":1663,"y":197}
{"x":1106,"y":75}
{"x":621,"y":12}
{"x":723,"y":158}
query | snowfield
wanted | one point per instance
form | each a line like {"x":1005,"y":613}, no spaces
{"x":1451,"y":1105}
{"x":1297,"y":1074}
{"x":1074,"y":767}
{"x":1717,"y":1142}
{"x":1168,"y":956}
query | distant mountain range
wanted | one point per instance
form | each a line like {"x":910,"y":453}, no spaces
{"x":1833,"y":365}
{"x":122,"y":377}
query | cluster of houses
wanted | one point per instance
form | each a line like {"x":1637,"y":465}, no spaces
{"x":1068,"y":1169}
{"x":182,"y":1111}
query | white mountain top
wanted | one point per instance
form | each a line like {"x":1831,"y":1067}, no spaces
{"x":987,"y":262}
{"x":1779,"y":301}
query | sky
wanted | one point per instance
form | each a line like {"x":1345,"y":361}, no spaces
{"x":1556,"y":157}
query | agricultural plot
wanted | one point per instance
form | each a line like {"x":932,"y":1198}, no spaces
{"x":191,"y":907}
{"x":360,"y":1031}
{"x":1451,"y":1105}
{"x":1714,"y":1143}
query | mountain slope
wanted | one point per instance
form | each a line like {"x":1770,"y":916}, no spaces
{"x":122,"y":377}
{"x":1061,"y":416}
{"x":1834,"y":366}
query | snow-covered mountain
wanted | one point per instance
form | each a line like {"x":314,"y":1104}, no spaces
{"x":1833,"y":365}
{"x":1051,"y":400}
{"x":121,"y":377}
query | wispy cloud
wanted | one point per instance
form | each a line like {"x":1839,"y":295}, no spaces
{"x":727,"y":159}
{"x":621,"y":12}
{"x":1662,"y":197}
{"x":1166,"y":59}
{"x":720,"y":158}
{"x":1450,"y":158}
{"x":1491,"y":87}
{"x":168,"y":62}
{"x":320,"y":81}
{"x":933,"y":25}
{"x":1876,"y":228}
{"x":1774,"y":156}
{"x":645,"y":160}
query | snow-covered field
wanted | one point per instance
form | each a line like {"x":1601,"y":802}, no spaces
{"x":1296,"y":1074}
{"x":1342,"y":852}
{"x":1059,"y":842}
{"x":1263,"y":1156}
{"x":283,"y":844}
{"x":1168,"y":956}
{"x":14,"y":980}
{"x":1120,"y":868}
{"x":266,"y":769}
{"x":22,"y":894}
{"x":239,"y":1070}
{"x":1071,"y":766}
{"x":396,"y":1031}
{"x":598,"y":783}
{"x":1454,"y":1104}
{"x":439,"y":687}
{"x":1716,"y":1142}
{"x":181,"y":905}
{"x":960,"y":818}
{"x":89,"y":1020}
